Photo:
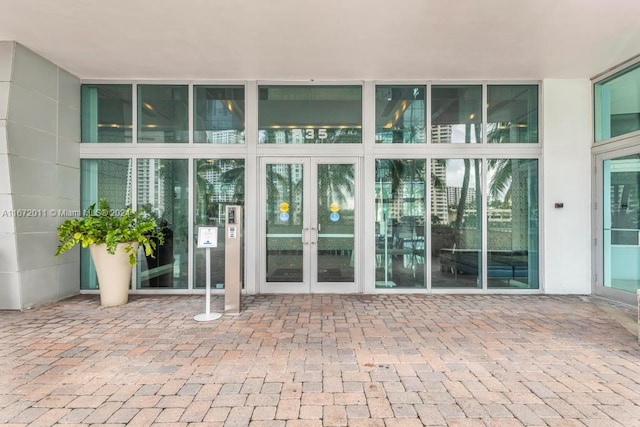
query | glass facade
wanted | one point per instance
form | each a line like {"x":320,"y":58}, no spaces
{"x":400,"y":114}
{"x":617,"y":104}
{"x":310,"y":114}
{"x":456,"y":223}
{"x":218,"y":183}
{"x":512,"y":224}
{"x":512,"y":112}
{"x":163,"y":189}
{"x":102,"y":178}
{"x":400,"y":210}
{"x":456,"y":114}
{"x":106,"y":113}
{"x":163,"y":113}
{"x":218,"y":114}
{"x":621,"y":223}
{"x":473,"y":211}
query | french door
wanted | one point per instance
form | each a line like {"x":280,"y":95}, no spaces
{"x":310,"y":225}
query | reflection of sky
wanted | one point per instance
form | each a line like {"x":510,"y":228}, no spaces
{"x":455,"y":173}
{"x":458,"y":133}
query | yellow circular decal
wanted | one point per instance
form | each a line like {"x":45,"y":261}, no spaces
{"x":284,"y":207}
{"x":334,"y":207}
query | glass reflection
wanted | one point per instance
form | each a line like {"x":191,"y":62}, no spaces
{"x":622,"y":223}
{"x":310,"y":114}
{"x":400,"y":114}
{"x":107,"y":113}
{"x":285,"y":258}
{"x":512,"y":114}
{"x":163,"y":113}
{"x":456,"y":223}
{"x":617,"y":104}
{"x":400,"y":210}
{"x":512,"y":230}
{"x":163,"y":189}
{"x":102,"y":178}
{"x":456,"y":114}
{"x":218,"y":183}
{"x":336,"y":212}
{"x":218,"y":114}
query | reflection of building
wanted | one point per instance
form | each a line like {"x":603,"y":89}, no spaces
{"x":439,"y":205}
{"x":441,"y":134}
{"x":454,"y":194}
{"x":151,"y":186}
{"x":224,"y":137}
{"x":222,"y":192}
{"x":285,"y":179}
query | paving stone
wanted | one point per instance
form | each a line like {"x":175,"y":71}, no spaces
{"x":367,"y":360}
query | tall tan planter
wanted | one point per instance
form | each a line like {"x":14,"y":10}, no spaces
{"x":114,"y":273}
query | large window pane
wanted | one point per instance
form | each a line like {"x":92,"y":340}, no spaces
{"x":400,"y":209}
{"x":336,"y":222}
{"x":285,"y":219}
{"x":456,"y":114}
{"x":512,"y":113}
{"x":310,"y":114}
{"x":400,"y":114}
{"x":617,"y":104}
{"x":102,"y":178}
{"x":456,"y":223}
{"x":163,"y":189}
{"x":106,"y":113}
{"x":513,"y":224}
{"x":622,"y":223}
{"x":163,"y":113}
{"x":218,"y":114}
{"x":218,"y":183}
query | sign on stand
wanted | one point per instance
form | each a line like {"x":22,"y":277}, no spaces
{"x":208,"y":238}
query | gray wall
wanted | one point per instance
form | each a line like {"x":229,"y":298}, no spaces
{"x":39,"y":174}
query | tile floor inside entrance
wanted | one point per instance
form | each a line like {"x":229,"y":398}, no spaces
{"x":322,"y":360}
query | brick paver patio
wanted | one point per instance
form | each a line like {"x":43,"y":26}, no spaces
{"x":322,"y":360}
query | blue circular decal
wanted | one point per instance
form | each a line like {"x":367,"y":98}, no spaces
{"x":335,"y":216}
{"x":284,"y":216}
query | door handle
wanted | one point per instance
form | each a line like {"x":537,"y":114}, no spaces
{"x":305,"y":237}
{"x":314,"y":238}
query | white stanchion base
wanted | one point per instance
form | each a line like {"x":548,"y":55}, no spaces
{"x":206,"y":317}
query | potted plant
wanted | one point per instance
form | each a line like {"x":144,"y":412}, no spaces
{"x":113,"y":241}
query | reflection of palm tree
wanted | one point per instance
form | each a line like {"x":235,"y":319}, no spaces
{"x":399,"y":173}
{"x":500,"y":185}
{"x":464,"y":191}
{"x":281,"y":180}
{"x":227,"y":172}
{"x":336,"y":181}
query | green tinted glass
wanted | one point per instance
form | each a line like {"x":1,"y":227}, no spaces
{"x":218,"y":114}
{"x":456,"y":114}
{"x":310,"y":114}
{"x":106,"y":113}
{"x":617,"y":104}
{"x":512,"y":113}
{"x":400,"y":114}
{"x":163,"y":113}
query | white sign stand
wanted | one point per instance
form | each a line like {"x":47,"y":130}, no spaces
{"x":208,"y":238}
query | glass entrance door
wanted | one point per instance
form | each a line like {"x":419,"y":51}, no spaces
{"x":621,"y":223}
{"x":310,"y":216}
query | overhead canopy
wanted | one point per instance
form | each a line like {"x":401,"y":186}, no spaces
{"x":329,"y":39}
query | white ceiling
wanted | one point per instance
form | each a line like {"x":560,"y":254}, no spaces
{"x":328,"y":39}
